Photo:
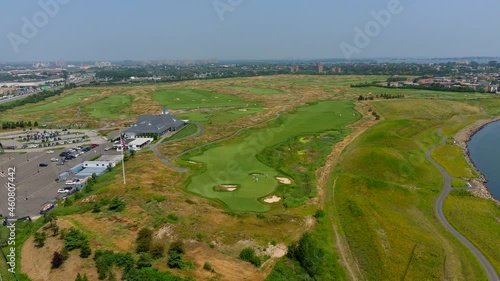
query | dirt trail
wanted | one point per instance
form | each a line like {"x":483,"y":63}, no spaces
{"x":322,"y":174}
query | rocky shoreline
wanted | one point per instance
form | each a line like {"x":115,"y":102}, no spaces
{"x":461,"y":139}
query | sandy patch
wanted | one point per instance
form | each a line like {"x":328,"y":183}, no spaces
{"x":284,"y":180}
{"x":166,"y":231}
{"x":226,"y":187}
{"x":277,"y":251}
{"x":272,"y":199}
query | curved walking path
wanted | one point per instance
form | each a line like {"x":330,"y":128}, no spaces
{"x":438,"y":207}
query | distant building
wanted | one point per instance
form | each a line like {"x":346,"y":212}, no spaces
{"x":336,"y":69}
{"x":319,"y":68}
{"x":294,"y":69}
{"x":154,"y":125}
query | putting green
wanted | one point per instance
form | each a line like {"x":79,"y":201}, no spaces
{"x":235,"y":162}
{"x":192,"y":98}
{"x":115,"y":106}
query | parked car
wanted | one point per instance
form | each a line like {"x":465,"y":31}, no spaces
{"x":43,"y":164}
{"x":65,"y":190}
{"x":50,"y":151}
{"x":61,"y":162}
{"x":107,"y":148}
{"x":54,"y":159}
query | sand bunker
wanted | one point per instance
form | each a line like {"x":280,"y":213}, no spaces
{"x":226,"y":187}
{"x":284,"y":180}
{"x":272,"y":199}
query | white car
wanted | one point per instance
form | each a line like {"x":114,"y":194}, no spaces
{"x":50,"y":151}
{"x":54,"y":160}
{"x":64,"y":190}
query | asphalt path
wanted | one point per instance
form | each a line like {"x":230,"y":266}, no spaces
{"x":438,"y":207}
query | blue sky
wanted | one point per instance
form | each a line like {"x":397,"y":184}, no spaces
{"x":256,"y":29}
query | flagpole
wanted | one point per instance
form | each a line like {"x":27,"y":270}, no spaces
{"x":122,"y":141}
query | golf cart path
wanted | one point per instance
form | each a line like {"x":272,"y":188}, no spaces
{"x":438,"y":207}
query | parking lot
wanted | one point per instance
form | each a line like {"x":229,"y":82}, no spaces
{"x":37,"y":185}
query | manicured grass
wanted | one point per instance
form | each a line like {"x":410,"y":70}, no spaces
{"x":112,"y":107}
{"x":225,"y":164}
{"x":452,"y":159}
{"x":478,"y":220}
{"x":60,"y":102}
{"x":191,"y":98}
{"x":219,"y":117}
{"x":260,"y":91}
{"x":186,"y":131}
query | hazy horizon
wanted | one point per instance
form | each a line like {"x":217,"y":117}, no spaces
{"x":246,"y":30}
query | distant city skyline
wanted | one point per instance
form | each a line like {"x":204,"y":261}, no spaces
{"x":113,"y":30}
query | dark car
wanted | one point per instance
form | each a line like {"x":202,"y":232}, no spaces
{"x":43,"y":164}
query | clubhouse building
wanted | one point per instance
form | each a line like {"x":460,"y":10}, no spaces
{"x":149,"y":125}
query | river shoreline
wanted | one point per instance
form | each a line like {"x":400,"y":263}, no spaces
{"x":461,"y":139}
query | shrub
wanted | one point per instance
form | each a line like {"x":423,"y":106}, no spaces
{"x":104,"y":261}
{"x":157,"y":250}
{"x":117,"y":205}
{"x":75,"y":239}
{"x":174,"y":259}
{"x":40,"y":239}
{"x":57,"y":260}
{"x":178,"y":247}
{"x":173,"y":217}
{"x":207,"y":266}
{"x":143,"y":240}
{"x":308,"y":253}
{"x":96,"y":208}
{"x":85,"y":250}
{"x":125,"y":261}
{"x":319,"y":214}
{"x":144,"y":260}
{"x":248,"y":254}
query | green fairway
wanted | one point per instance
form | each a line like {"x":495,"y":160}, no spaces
{"x":235,"y":162}
{"x":191,"y":98}
{"x":115,"y":106}
{"x":188,"y":130}
{"x":261,"y":91}
{"x":66,"y":100}
{"x":219,"y":117}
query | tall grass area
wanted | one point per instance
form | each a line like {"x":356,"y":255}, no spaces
{"x":452,"y":159}
{"x":478,"y":220}
{"x":385,"y":192}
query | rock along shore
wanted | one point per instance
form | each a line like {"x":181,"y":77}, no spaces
{"x":461,"y":139}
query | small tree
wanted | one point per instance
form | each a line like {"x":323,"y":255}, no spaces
{"x":117,"y":205}
{"x":144,"y":260}
{"x":55,"y":230}
{"x":57,"y":260}
{"x":40,"y":239}
{"x":144,"y":240}
{"x":85,"y":250}
{"x":157,"y":250}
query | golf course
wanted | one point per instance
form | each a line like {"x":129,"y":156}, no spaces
{"x":235,"y":162}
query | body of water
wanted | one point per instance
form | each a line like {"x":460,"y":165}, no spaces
{"x":484,"y":150}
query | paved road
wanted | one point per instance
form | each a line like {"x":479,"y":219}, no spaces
{"x":438,"y":207}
